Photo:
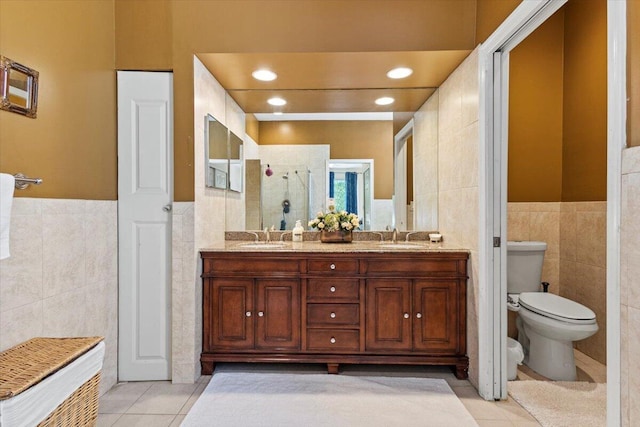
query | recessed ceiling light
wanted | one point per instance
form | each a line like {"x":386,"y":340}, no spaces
{"x":264,"y":75}
{"x":276,"y":101}
{"x":385,"y":100}
{"x":400,"y":73}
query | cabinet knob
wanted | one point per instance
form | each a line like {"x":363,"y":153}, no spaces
{"x":332,"y":289}
{"x":419,"y":315}
{"x":260,"y":313}
{"x":332,"y":340}
{"x":332,"y":315}
{"x":406,"y":315}
{"x":332,"y":266}
{"x":248,"y":314}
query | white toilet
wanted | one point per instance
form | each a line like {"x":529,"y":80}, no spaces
{"x":547,"y":323}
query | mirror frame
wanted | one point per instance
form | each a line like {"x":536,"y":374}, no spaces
{"x":6,"y":67}
{"x":236,"y":164}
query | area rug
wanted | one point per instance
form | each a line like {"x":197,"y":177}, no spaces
{"x":562,"y":404}
{"x":276,"y":399}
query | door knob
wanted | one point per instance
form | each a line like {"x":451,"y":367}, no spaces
{"x":166,"y":208}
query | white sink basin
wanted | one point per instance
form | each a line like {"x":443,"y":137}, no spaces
{"x":263,"y":245}
{"x":401,"y":245}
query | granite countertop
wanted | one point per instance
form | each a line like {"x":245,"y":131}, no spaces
{"x":316,"y":247}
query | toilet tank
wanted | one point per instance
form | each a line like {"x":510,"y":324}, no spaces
{"x":524,"y":266}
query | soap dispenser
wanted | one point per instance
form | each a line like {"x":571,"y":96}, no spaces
{"x":296,"y":235}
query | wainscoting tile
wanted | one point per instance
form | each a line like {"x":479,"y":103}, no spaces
{"x":20,"y":324}
{"x":634,"y":366}
{"x":62,"y":206}
{"x":63,"y":252}
{"x":64,"y":314}
{"x":591,"y":237}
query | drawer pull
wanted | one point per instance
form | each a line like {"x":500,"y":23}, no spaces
{"x":419,"y":315}
{"x":260,"y":313}
{"x":332,"y":340}
{"x":406,"y":315}
{"x":332,"y":315}
{"x":248,"y":314}
{"x":332,"y":266}
{"x":332,"y":289}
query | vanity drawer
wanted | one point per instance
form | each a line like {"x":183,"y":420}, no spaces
{"x":333,"y":289}
{"x":262,"y":265}
{"x":332,"y":266}
{"x":333,"y":339}
{"x":333,"y":314}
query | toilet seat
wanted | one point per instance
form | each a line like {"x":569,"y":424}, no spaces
{"x":556,"y":307}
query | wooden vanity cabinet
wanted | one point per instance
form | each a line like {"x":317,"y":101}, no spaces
{"x":335,"y":308}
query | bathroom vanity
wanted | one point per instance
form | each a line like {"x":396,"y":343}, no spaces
{"x":335,"y":304}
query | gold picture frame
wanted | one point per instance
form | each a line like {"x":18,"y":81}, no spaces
{"x":18,"y":88}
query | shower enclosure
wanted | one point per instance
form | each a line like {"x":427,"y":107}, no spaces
{"x":285,"y":194}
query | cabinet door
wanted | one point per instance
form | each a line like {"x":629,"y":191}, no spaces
{"x":278,"y":314}
{"x":232,"y":317}
{"x":388,"y":314}
{"x":435,"y":316}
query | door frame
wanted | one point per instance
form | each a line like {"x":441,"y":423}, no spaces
{"x":493,"y":122}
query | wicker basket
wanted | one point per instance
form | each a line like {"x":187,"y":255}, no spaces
{"x":28,"y":363}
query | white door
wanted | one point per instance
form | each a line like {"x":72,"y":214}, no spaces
{"x":145,"y":192}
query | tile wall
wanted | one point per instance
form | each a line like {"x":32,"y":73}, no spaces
{"x":62,"y":277}
{"x":575,"y":260}
{"x":458,"y":180}
{"x":630,"y":288}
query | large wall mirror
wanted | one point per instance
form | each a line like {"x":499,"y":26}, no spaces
{"x":223,"y":156}
{"x":216,"y":154}
{"x":18,"y":88}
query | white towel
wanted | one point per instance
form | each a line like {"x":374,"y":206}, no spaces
{"x":7,"y":184}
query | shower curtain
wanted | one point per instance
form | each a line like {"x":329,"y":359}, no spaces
{"x":351,"y":179}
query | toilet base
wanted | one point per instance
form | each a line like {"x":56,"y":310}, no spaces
{"x":551,"y":358}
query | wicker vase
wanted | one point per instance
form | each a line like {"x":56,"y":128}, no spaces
{"x":341,"y":236}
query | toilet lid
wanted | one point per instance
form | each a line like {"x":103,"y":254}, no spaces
{"x":556,"y":307}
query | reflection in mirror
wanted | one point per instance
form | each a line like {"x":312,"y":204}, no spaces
{"x":285,"y":195}
{"x":18,"y":88}
{"x":349,"y":185}
{"x":235,"y":163}
{"x":216,"y":153}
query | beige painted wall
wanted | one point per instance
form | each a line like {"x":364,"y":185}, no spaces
{"x":557,"y":108}
{"x":348,"y":140}
{"x":71,"y":145}
{"x":535,"y":115}
{"x":584,"y":128}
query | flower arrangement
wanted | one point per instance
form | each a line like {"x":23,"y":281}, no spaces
{"x":335,"y":221}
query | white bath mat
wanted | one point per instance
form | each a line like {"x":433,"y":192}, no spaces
{"x":275,"y":399}
{"x":562,"y":403}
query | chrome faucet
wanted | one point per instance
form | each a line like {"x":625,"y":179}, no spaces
{"x":255,"y":234}
{"x":406,"y":239}
{"x":283,"y":233}
{"x":394,"y":236}
{"x":267,"y":235}
{"x":379,"y":234}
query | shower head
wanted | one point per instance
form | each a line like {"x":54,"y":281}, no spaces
{"x":285,"y":176}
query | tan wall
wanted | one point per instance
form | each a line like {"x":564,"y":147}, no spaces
{"x":252,"y":126}
{"x":558,"y":101}
{"x":348,"y":140}
{"x":309,"y":26}
{"x":584,"y":147}
{"x":490,"y":14}
{"x":535,"y":115}
{"x":71,"y":145}
{"x":633,"y":72}
{"x":143,"y":35}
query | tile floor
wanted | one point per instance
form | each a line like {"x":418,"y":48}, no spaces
{"x":162,"y":404}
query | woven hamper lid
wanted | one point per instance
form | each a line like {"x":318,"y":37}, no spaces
{"x":28,"y":363}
